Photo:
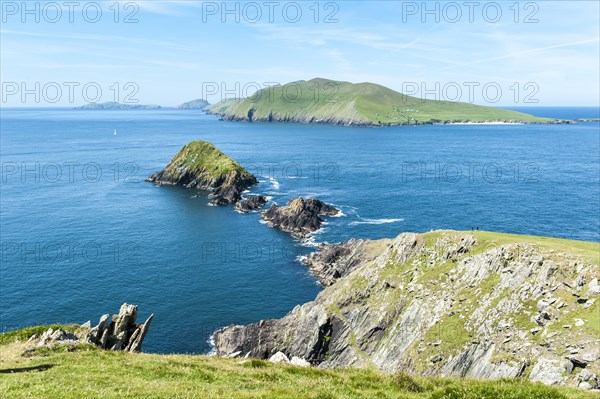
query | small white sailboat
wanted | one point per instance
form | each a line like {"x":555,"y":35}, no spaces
{"x":115,"y":132}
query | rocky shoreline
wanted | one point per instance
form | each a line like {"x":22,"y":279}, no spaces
{"x":356,"y":122}
{"x":441,"y":303}
{"x":200,"y":165}
{"x":251,"y":203}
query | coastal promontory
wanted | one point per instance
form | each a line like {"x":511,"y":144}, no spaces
{"x":447,"y":303}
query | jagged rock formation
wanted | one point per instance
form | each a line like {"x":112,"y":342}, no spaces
{"x":117,"y":333}
{"x":300,"y":216}
{"x":480,"y":305}
{"x":251,"y":203}
{"x":333,"y":262}
{"x":121,"y":333}
{"x":200,"y":165}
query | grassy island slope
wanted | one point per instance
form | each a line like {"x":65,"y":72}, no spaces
{"x":201,"y":165}
{"x":336,"y":102}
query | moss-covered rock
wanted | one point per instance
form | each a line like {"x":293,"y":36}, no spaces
{"x":200,"y":165}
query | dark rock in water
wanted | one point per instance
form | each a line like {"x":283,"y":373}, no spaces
{"x":251,"y":203}
{"x":300,"y":216}
{"x":200,"y":165}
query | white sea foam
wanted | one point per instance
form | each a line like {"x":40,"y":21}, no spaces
{"x":309,"y":242}
{"x":211,"y":343}
{"x":375,"y":221}
{"x":481,"y":123}
{"x":273,"y":181}
{"x":301,"y":258}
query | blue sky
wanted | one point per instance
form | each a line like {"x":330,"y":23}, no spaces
{"x":547,"y":52}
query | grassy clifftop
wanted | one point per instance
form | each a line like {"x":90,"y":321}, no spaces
{"x":329,"y":101}
{"x":84,"y":371}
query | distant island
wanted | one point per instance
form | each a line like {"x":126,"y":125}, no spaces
{"x":194,"y":104}
{"x":197,"y":104}
{"x":111,"y":105}
{"x":357,"y":104}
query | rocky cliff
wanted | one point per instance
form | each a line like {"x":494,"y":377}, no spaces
{"x":480,"y":305}
{"x":200,"y":165}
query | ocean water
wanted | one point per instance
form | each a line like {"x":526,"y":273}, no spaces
{"x":82,"y":232}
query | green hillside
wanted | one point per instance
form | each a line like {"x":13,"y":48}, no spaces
{"x":328,"y":101}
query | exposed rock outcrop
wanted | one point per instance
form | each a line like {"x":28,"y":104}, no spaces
{"x":333,"y":262}
{"x":300,"y":216}
{"x":117,"y":333}
{"x":200,"y":165}
{"x":251,"y":203}
{"x":443,"y":303}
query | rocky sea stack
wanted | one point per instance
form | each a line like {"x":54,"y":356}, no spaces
{"x":300,"y":216}
{"x":200,"y":165}
{"x":251,"y":203}
{"x":477,"y":305}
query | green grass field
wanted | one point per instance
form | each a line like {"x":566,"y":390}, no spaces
{"x":86,"y":372}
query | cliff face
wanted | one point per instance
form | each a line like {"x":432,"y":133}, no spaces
{"x":200,"y":165}
{"x":479,"y":305}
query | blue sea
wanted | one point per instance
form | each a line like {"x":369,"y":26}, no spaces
{"x":82,"y":232}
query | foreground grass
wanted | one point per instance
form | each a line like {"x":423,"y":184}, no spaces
{"x":86,"y":372}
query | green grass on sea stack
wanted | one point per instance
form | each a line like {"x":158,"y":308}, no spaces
{"x":203,"y":156}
